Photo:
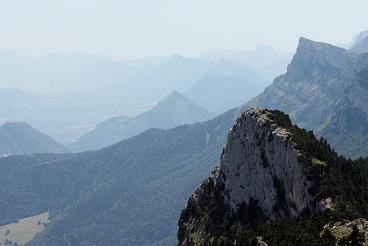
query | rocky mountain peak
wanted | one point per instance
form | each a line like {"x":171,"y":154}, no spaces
{"x":305,"y":43}
{"x":311,"y":56}
{"x":264,"y":176}
{"x":260,"y":163}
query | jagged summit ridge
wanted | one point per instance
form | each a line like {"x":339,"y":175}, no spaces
{"x":260,"y":163}
{"x":319,"y":79}
{"x":312,"y":53}
{"x":305,"y":43}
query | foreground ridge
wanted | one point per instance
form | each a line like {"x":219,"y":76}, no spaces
{"x":273,"y":172}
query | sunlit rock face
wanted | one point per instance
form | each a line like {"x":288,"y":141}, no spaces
{"x":265,"y":175}
{"x":259,"y":163}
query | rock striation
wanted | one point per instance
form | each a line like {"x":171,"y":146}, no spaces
{"x":260,"y":163}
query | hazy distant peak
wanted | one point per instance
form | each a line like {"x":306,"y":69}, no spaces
{"x":18,"y":125}
{"x":360,"y":37}
{"x":361,"y":44}
{"x":173,"y":98}
{"x":177,"y":59}
{"x":174,"y":93}
{"x":15,"y":124}
{"x":174,"y":110}
{"x":265,"y":60}
{"x":19,"y":138}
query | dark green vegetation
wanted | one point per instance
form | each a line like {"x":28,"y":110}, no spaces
{"x":343,"y":180}
{"x":19,"y":138}
{"x":127,"y":194}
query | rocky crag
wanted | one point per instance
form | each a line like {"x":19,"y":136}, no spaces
{"x":272,"y":172}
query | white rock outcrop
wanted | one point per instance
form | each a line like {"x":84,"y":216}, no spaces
{"x":260,"y":163}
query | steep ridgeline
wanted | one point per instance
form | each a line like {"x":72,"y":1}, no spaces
{"x":272,"y":173}
{"x":325,"y":89}
{"x":19,"y":138}
{"x":173,"y":110}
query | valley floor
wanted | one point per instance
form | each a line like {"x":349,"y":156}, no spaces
{"x":24,"y":230}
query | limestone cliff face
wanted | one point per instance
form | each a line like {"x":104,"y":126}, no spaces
{"x":260,"y":163}
{"x":262,"y":178}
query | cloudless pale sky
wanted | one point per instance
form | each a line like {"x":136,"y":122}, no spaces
{"x":134,"y":28}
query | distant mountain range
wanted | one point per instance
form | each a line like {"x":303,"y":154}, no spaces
{"x":76,"y":72}
{"x":220,"y":93}
{"x":180,"y":74}
{"x":172,"y":111}
{"x":19,"y":138}
{"x":265,"y":59}
{"x":68,"y":95}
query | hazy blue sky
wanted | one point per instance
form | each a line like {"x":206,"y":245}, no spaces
{"x":134,"y":28}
